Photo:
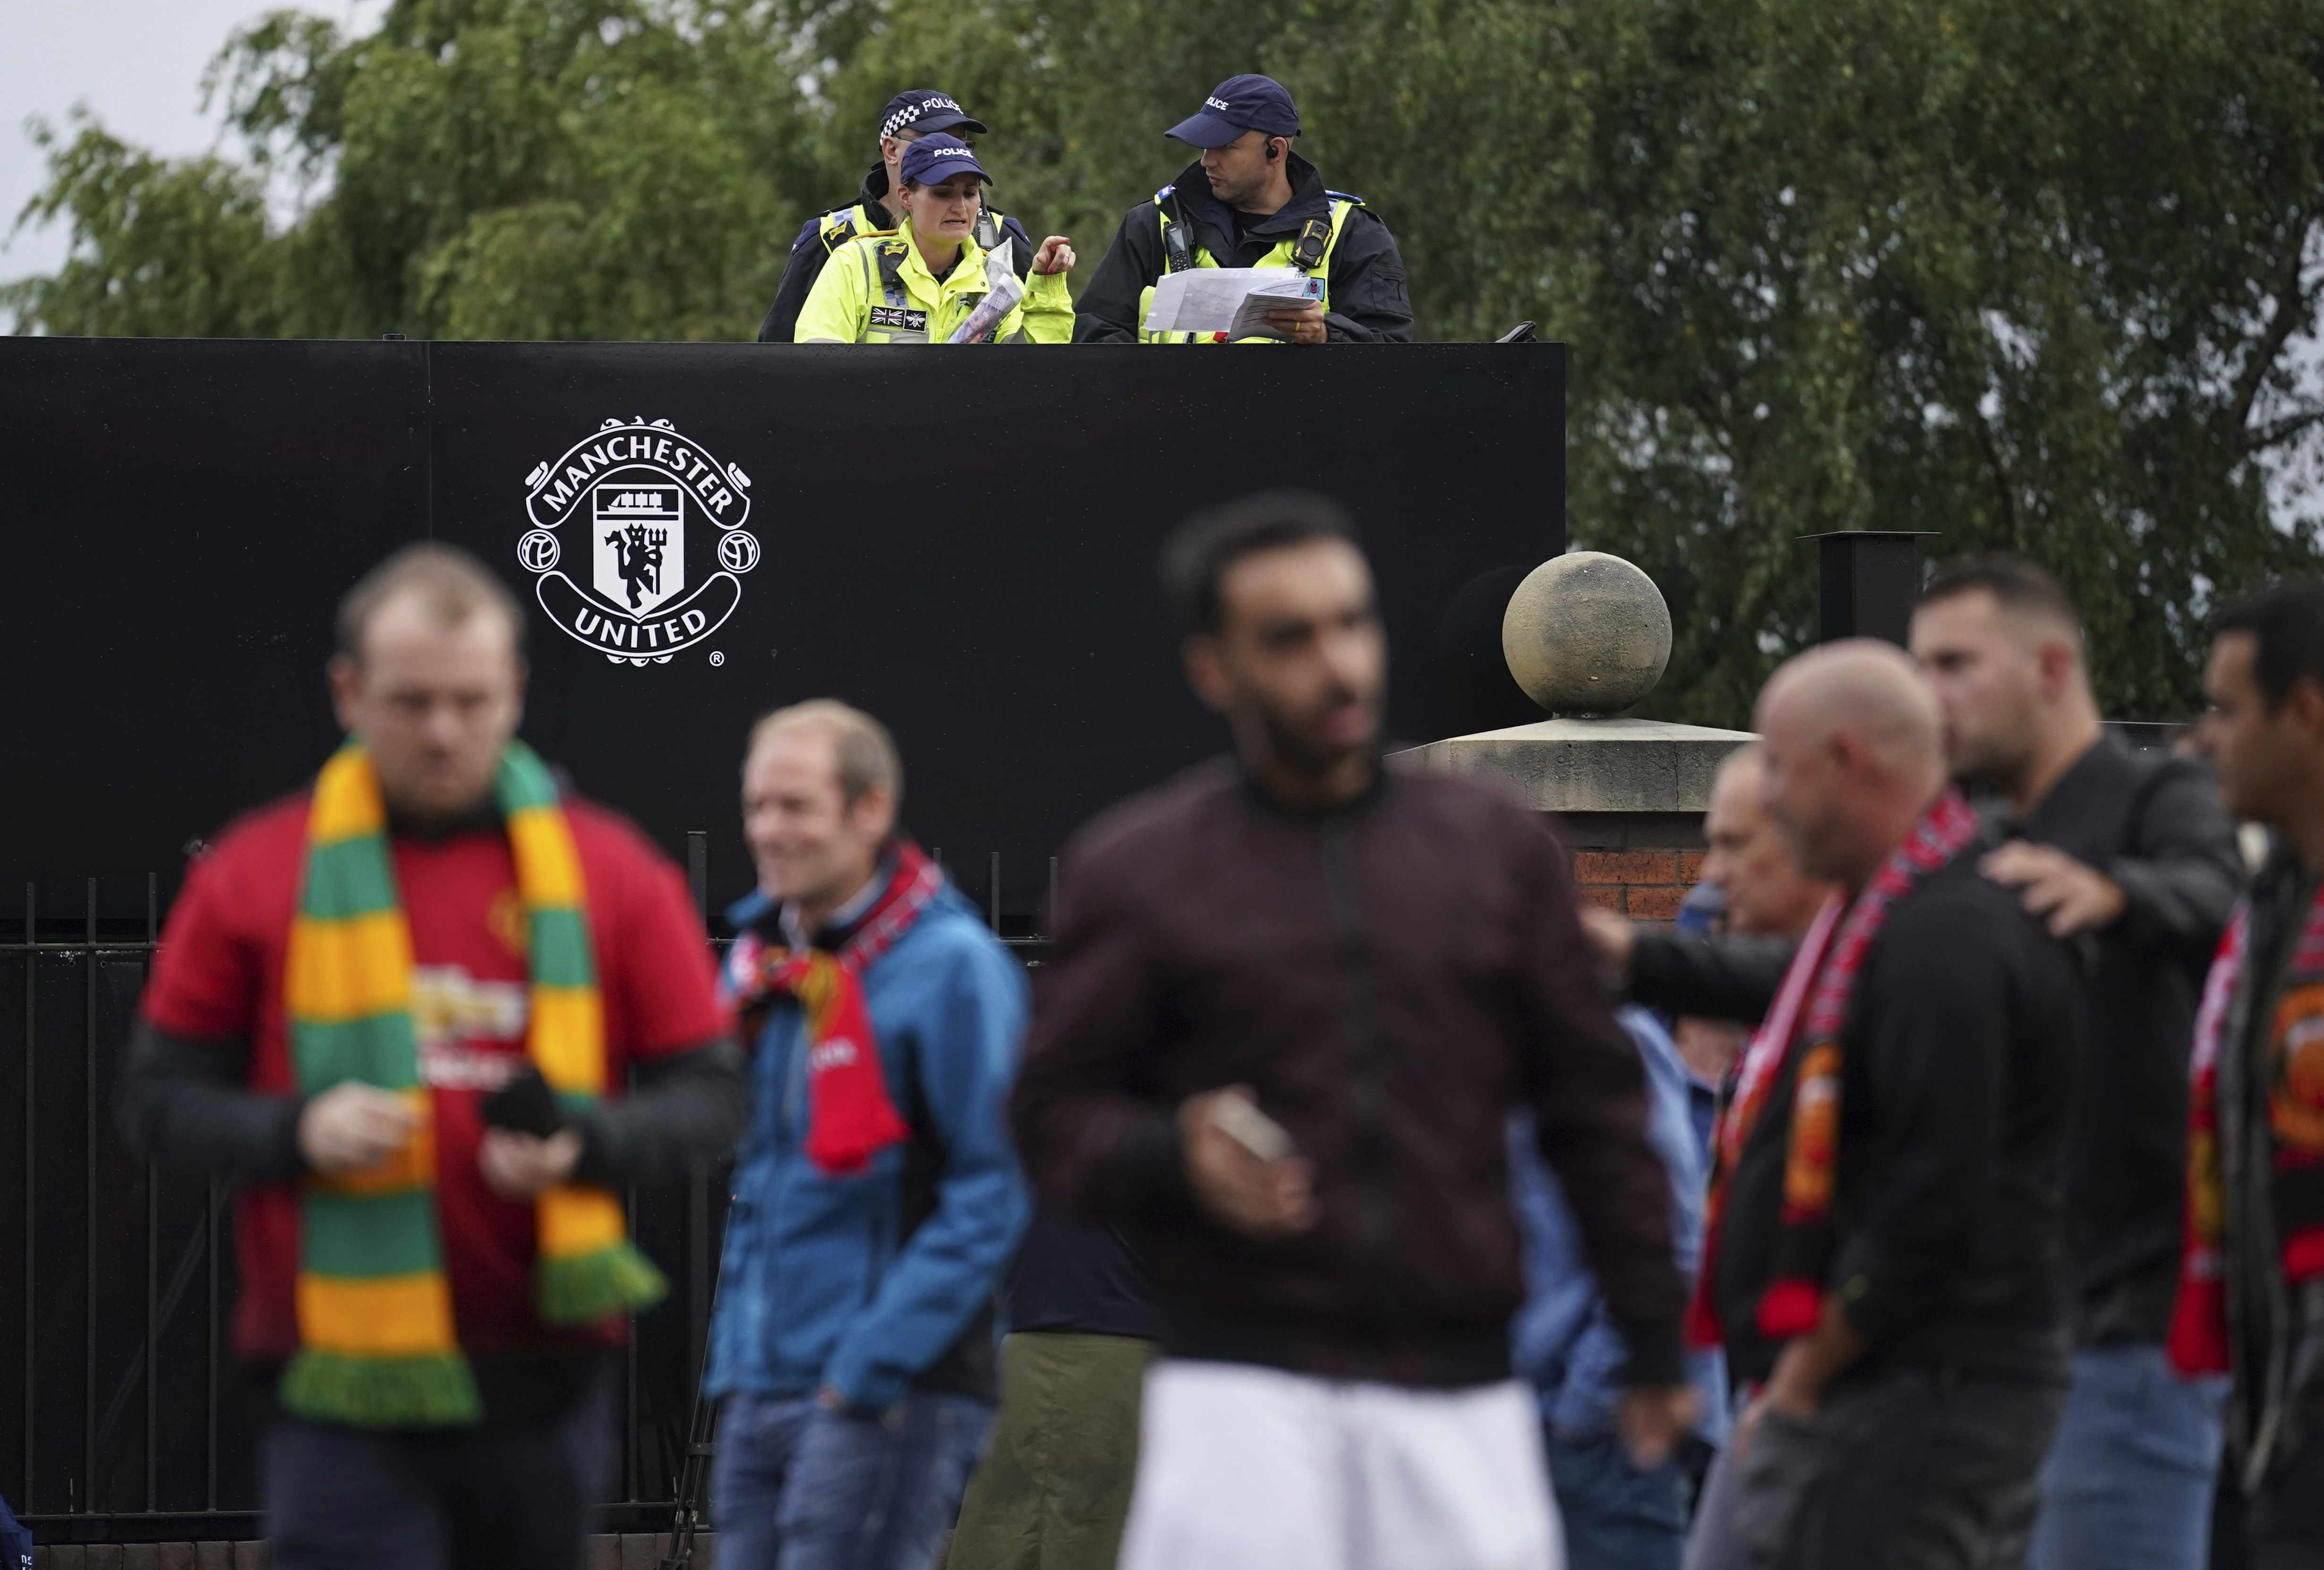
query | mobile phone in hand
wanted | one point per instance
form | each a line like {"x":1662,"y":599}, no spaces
{"x":525,"y":1105}
{"x":1239,"y":1121}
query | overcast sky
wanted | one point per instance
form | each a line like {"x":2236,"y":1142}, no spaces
{"x":137,"y":64}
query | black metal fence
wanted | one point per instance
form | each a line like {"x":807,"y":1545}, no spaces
{"x":133,"y":1421}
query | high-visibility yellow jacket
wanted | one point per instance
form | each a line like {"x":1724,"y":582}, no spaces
{"x":1285,"y":252}
{"x":1325,"y":234}
{"x":822,"y":235}
{"x":877,"y":290}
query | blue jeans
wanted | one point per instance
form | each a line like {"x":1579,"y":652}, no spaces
{"x":2127,"y":1485}
{"x":797,"y":1487}
{"x":1616,"y":1517}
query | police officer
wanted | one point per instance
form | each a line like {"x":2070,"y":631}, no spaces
{"x":918,"y":284}
{"x":1250,"y":201}
{"x":910,"y":114}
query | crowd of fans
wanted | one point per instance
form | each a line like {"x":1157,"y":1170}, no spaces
{"x":1944,"y":1188}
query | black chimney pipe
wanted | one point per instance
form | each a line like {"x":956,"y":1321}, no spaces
{"x":1866,"y":580}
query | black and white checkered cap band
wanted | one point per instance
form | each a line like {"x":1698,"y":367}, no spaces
{"x":911,"y":112}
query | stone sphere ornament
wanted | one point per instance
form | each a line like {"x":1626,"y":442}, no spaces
{"x":1586,"y":634}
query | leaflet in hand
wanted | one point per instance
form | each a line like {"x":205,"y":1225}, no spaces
{"x":999,"y":299}
{"x":1233,"y":301}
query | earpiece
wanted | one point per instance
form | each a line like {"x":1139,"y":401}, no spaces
{"x":1273,"y":152}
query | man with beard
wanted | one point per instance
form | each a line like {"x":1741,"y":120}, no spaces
{"x":2132,"y":856}
{"x":1881,"y":1265}
{"x":1294,"y":1001}
{"x":1250,"y":201}
{"x":2251,"y":1296}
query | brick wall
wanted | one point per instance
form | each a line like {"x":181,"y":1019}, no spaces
{"x":1646,"y":886}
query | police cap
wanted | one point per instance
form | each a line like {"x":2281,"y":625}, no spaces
{"x":926,"y":110}
{"x":1238,"y":105}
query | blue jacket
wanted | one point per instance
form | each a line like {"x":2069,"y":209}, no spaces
{"x":1562,"y":1339}
{"x":819,"y":1284}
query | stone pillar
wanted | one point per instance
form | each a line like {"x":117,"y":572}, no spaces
{"x":1627,"y":796}
{"x":1586,"y":635}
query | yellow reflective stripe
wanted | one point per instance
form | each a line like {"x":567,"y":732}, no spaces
{"x":346,"y":804}
{"x":548,"y":868}
{"x":337,"y":971}
{"x":1278,"y":256}
{"x":579,"y":1221}
{"x":380,"y":1317}
{"x":567,"y":1038}
{"x":412,"y":1166}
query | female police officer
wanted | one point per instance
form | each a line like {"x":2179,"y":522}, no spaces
{"x":920,"y":284}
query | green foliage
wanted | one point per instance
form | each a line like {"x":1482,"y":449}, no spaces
{"x":2032,"y":275}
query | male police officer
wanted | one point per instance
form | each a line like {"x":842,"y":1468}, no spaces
{"x":910,"y":114}
{"x":1250,"y":201}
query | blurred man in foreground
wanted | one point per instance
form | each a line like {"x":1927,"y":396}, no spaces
{"x":1881,"y":1264}
{"x":1294,"y":1001}
{"x":403,"y":1009}
{"x":876,"y":1201}
{"x":2132,"y":856}
{"x":2251,"y":1293}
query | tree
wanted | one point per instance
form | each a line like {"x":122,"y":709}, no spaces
{"x":539,"y":169}
{"x":2032,"y":276}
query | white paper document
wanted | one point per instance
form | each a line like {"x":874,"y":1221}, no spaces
{"x":1233,"y":301}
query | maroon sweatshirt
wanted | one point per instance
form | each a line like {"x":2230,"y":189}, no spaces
{"x":1393,"y":977}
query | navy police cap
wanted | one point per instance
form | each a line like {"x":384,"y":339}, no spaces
{"x":1238,"y":105}
{"x":933,"y":159}
{"x":926,"y":110}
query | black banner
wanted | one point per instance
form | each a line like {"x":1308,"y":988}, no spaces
{"x":964,"y":544}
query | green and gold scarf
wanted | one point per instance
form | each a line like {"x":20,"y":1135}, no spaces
{"x":378,"y":1348}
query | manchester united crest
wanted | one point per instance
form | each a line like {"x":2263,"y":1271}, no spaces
{"x":637,"y":544}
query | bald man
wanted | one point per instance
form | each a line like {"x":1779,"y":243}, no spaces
{"x":2132,"y":856}
{"x":1771,"y":900}
{"x":1884,"y":1267}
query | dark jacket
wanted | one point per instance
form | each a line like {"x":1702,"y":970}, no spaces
{"x":2275,"y":1334}
{"x":1392,"y":978}
{"x":1958,"y":1069}
{"x":808,"y":253}
{"x":2153,"y":824}
{"x":1368,"y":301}
{"x":1081,"y":1277}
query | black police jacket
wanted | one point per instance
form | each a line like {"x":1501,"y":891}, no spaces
{"x":808,"y":253}
{"x":1369,"y":301}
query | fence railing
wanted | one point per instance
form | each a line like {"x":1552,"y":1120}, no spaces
{"x":133,"y":1419}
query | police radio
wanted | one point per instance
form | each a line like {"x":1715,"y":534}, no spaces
{"x":1181,"y":251}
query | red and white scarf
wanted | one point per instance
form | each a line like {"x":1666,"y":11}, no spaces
{"x":2295,"y":1118}
{"x":1811,"y":1008}
{"x":851,"y":1117}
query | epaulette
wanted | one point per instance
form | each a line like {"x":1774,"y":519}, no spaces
{"x":1164,"y":194}
{"x":1342,"y":196}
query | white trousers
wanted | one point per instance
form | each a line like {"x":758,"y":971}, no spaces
{"x":1245,"y":1468}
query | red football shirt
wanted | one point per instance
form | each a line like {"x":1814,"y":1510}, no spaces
{"x":218,"y":976}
